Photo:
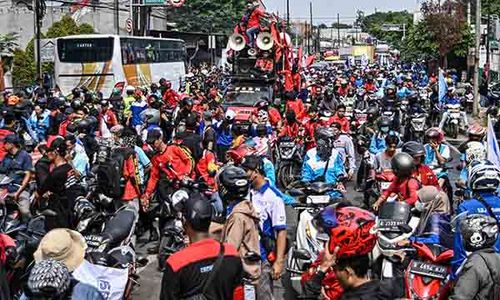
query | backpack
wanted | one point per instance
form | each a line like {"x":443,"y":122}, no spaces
{"x":494,"y":293}
{"x":110,"y":177}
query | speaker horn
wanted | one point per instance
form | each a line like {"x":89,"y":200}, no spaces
{"x":252,"y":52}
{"x":265,"y":41}
{"x":237,"y":42}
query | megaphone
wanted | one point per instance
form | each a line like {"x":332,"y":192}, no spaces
{"x":237,"y":42}
{"x":286,"y":38}
{"x":252,"y":52}
{"x":265,"y":41}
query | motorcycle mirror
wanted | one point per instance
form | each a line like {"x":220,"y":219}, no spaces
{"x":459,"y":193}
{"x":405,"y":228}
{"x":48,"y":213}
{"x":302,"y":254}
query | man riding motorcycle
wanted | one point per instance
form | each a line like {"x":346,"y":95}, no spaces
{"x":422,"y":172}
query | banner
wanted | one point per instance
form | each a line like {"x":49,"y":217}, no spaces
{"x":492,"y":149}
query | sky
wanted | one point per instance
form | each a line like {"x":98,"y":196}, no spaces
{"x":325,"y":11}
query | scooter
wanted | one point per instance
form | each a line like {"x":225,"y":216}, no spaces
{"x":288,"y":160}
{"x":427,"y":275}
{"x":452,"y":124}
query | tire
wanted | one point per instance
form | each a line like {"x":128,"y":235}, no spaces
{"x":286,"y":174}
{"x":454,"y":130}
{"x":162,"y":255}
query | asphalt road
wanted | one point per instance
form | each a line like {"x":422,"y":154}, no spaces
{"x":150,"y":277}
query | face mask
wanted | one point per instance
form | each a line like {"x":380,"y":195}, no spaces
{"x":384,"y":129}
{"x":420,"y":206}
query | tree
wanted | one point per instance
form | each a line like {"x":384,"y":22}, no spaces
{"x":446,"y":24}
{"x":208,"y":15}
{"x":373,"y":25}
{"x":419,"y":44}
{"x":23,"y":69}
{"x":8,"y":42}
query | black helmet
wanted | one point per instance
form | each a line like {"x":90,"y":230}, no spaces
{"x":76,"y":105}
{"x":323,"y":133}
{"x":413,"y":148}
{"x":233,"y":184}
{"x":83,"y":208}
{"x":84,"y":126}
{"x":186,"y":102}
{"x":198,"y":211}
{"x":372,"y":110}
{"x":384,"y":122}
{"x":402,"y":164}
{"x":478,"y":231}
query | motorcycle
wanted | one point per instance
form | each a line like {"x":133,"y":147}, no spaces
{"x":288,"y":161}
{"x":310,"y":241}
{"x":451,"y":126}
{"x":427,"y":275}
{"x":416,"y":127}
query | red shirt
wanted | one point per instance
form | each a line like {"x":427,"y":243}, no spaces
{"x":370,"y":87}
{"x":406,"y":189}
{"x":202,"y":168}
{"x":130,"y":171}
{"x":109,"y":118}
{"x":297,"y":106}
{"x":343,"y":91}
{"x":171,"y":98}
{"x":290,"y":130}
{"x":274,"y":116}
{"x":344,"y":123}
{"x":254,"y":19}
{"x":426,"y":176}
{"x":288,"y":80}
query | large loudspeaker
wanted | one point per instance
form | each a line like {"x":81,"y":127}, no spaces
{"x":265,"y":41}
{"x":237,"y":42}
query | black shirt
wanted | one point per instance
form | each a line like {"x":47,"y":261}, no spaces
{"x":187,"y":271}
{"x":193,"y":142}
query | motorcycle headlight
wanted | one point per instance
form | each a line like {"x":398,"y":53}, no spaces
{"x":178,"y":199}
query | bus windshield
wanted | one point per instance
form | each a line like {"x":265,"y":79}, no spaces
{"x":246,"y":96}
{"x":81,"y":50}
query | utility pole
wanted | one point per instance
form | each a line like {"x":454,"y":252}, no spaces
{"x":117,"y":17}
{"x":288,"y":14}
{"x":307,"y":38}
{"x":475,"y":108}
{"x":338,"y":30}
{"x":487,"y":39}
{"x":311,"y":18}
{"x":38,"y":25}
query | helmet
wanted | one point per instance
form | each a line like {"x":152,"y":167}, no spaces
{"x":413,"y":148}
{"x":477,"y":130}
{"x":384,"y":122}
{"x":435,"y":133}
{"x":130,"y":89}
{"x":233,"y":184}
{"x":348,"y":228}
{"x":475,"y":151}
{"x":484,"y":176}
{"x":83,"y":208}
{"x":84,"y":126}
{"x":151,"y":116}
{"x":186,"y":102}
{"x":323,"y":133}
{"x":263,"y":116}
{"x":237,"y":154}
{"x":230,"y":115}
{"x":76,"y":105}
{"x":49,"y":279}
{"x":478,"y":231}
{"x":402,"y":164}
{"x":13,"y":100}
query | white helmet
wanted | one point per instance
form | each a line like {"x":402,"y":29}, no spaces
{"x":484,"y":176}
{"x":230,"y":115}
{"x":129,"y":88}
{"x":475,"y":151}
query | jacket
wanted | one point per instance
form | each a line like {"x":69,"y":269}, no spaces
{"x":313,"y":167}
{"x":39,"y":125}
{"x":406,"y":189}
{"x":472,"y":206}
{"x":475,"y":279}
{"x":426,"y":176}
{"x":373,"y":290}
{"x":344,"y":122}
{"x":242,"y":231}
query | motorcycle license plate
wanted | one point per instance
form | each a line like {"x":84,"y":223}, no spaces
{"x":455,"y":115}
{"x":287,"y":144}
{"x":361,"y":117}
{"x":93,"y":242}
{"x":323,"y":199}
{"x":384,"y":185}
{"x":389,"y":225}
{"x":427,"y":269}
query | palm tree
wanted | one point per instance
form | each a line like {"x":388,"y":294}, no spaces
{"x":8,"y":43}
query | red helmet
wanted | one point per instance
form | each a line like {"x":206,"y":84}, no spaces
{"x":237,"y":154}
{"x":476,"y":129}
{"x":352,"y":231}
{"x":435,"y":133}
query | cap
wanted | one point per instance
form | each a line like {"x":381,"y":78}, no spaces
{"x":252,"y":162}
{"x":12,"y":139}
{"x":153,"y":135}
{"x":198,"y":211}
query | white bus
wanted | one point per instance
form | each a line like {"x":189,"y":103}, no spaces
{"x":99,"y":62}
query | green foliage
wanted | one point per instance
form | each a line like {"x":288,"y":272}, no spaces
{"x":373,"y":25}
{"x":23,"y":68}
{"x":8,"y":42}
{"x":207,"y":15}
{"x":24,"y":65}
{"x":419,"y":44}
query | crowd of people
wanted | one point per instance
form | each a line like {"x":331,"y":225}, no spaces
{"x":143,"y":144}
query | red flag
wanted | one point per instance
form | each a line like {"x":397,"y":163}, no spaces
{"x":299,"y":57}
{"x":310,"y":59}
{"x":120,"y":86}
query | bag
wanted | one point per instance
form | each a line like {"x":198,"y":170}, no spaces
{"x":110,"y":178}
{"x":110,"y":282}
{"x":494,"y":293}
{"x":211,"y":277}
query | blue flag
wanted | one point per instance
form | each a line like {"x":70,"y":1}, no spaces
{"x":493,"y":149}
{"x":443,"y":87}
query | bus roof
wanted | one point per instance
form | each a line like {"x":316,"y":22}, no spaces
{"x":90,"y":36}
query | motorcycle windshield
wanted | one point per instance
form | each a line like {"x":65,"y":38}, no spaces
{"x":395,"y":211}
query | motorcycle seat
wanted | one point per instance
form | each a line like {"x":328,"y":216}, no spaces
{"x":320,"y":188}
{"x":120,"y":226}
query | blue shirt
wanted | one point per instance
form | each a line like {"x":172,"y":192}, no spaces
{"x":137,"y":107}
{"x":15,"y":165}
{"x":268,"y":203}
